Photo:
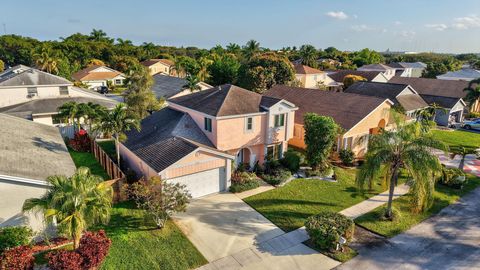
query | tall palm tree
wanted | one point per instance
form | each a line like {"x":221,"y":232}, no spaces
{"x":203,"y":64}
{"x":117,"y":122}
{"x":251,"y":48}
{"x":309,"y":55}
{"x":178,"y":66}
{"x":72,"y":111}
{"x":192,"y":83}
{"x":473,"y":94}
{"x":408,"y":147}
{"x":44,"y":60}
{"x":74,"y":203}
{"x":234,"y":48}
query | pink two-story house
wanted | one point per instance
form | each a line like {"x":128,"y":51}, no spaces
{"x":197,"y":137}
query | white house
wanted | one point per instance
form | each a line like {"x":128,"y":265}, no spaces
{"x":389,"y":72}
{"x":408,"y":69}
{"x":95,"y":76}
{"x":29,"y":153}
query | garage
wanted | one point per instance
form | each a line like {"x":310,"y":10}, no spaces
{"x":203,"y":183}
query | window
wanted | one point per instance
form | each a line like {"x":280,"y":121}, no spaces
{"x":63,"y":90}
{"x":274,"y":152}
{"x":118,"y":81}
{"x":249,"y":124}
{"x":208,"y":124}
{"x":270,"y":151}
{"x":279,"y":120}
{"x":32,"y":91}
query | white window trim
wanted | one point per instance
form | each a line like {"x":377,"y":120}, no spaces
{"x":246,"y":124}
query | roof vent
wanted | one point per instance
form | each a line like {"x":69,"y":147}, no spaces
{"x":219,"y":88}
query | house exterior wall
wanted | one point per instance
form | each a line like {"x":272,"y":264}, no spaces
{"x":44,"y":119}
{"x":16,"y":95}
{"x":232,"y":133}
{"x":194,"y":163}
{"x":313,"y":80}
{"x":96,"y":83}
{"x":13,"y":196}
{"x":159,"y":67}
{"x":380,"y":78}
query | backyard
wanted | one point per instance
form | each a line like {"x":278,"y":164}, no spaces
{"x":290,"y":205}
{"x":86,"y":159}
{"x":458,"y":138}
{"x":137,"y":244}
{"x":443,"y":197}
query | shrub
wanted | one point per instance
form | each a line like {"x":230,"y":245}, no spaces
{"x":81,"y":142}
{"x":472,"y":115}
{"x":242,"y":181}
{"x":18,"y":258}
{"x":271,"y":166}
{"x":277,"y":177}
{"x":323,"y":173}
{"x":396,"y":214}
{"x":14,"y":237}
{"x":347,"y":156}
{"x":291,"y":160}
{"x":453,"y":177}
{"x":93,"y":248}
{"x":65,"y":260}
{"x":326,"y":228}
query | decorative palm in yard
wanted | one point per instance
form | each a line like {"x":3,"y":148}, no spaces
{"x":74,"y":203}
{"x":409,"y":148}
{"x":117,"y":122}
{"x":463,"y":152}
{"x":192,"y":83}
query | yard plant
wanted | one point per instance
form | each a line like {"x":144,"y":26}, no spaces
{"x":326,"y":228}
{"x":14,"y":237}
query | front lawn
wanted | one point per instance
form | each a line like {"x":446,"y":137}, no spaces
{"x":443,"y":195}
{"x":86,"y":159}
{"x":289,"y":206}
{"x":458,"y":138}
{"x":136,"y":244}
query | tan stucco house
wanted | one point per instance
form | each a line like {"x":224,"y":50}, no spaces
{"x":162,"y":66}
{"x":388,"y":71}
{"x":359,"y":116}
{"x":95,"y":76}
{"x":196,"y":139}
{"x":313,"y":78}
{"x":370,"y":76}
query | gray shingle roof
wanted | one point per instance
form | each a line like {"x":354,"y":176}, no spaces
{"x":445,"y":102}
{"x":32,"y":150}
{"x":26,"y":76}
{"x":224,"y":100}
{"x":388,"y":90}
{"x":165,"y":137}
{"x":167,"y":86}
{"x":339,"y":75}
{"x":466,"y":73}
{"x":434,"y":87}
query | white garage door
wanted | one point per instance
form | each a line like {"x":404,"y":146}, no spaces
{"x":203,"y":183}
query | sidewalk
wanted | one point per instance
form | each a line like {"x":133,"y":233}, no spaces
{"x":471,"y":165}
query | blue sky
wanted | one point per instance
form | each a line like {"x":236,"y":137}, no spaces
{"x":407,"y":25}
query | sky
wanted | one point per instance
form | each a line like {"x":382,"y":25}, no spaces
{"x":408,"y":25}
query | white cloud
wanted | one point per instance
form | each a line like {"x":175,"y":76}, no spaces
{"x":437,"y":26}
{"x":361,"y":28}
{"x":397,"y":23}
{"x":339,"y":15}
{"x":467,"y":22}
{"x":407,"y":34}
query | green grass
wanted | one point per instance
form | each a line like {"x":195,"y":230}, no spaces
{"x":458,"y":138}
{"x":443,"y":197}
{"x":289,"y":206}
{"x":136,"y":244}
{"x":109,"y":148}
{"x":86,"y":159}
{"x":340,"y":256}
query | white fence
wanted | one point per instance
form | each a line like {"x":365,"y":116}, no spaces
{"x":67,"y":131}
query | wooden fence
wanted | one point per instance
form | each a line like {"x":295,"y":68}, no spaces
{"x":112,"y":169}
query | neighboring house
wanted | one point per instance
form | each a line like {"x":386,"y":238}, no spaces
{"x":358,"y":115}
{"x":195,"y":139}
{"x":156,"y":66}
{"x":95,"y":76}
{"x":166,"y":86}
{"x":312,"y":77}
{"x":464,"y":74}
{"x":389,"y":72}
{"x":371,"y":76}
{"x":453,"y":108}
{"x":409,"y":69}
{"x":45,"y":110}
{"x":29,"y":153}
{"x":446,"y":93}
{"x":401,"y":95}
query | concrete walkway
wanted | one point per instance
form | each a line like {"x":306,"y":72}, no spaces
{"x":471,"y":165}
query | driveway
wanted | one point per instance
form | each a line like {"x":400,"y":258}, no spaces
{"x":449,"y":240}
{"x":232,"y":235}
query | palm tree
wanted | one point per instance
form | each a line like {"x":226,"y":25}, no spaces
{"x":117,"y":122}
{"x":406,"y":148}
{"x":309,"y":55}
{"x":72,"y":111}
{"x":473,"y":94}
{"x":44,"y":60}
{"x":234,"y":48}
{"x":178,"y":66}
{"x":75,"y":203}
{"x":463,"y":152}
{"x":251,"y":48}
{"x":203,"y":64}
{"x":192,"y":83}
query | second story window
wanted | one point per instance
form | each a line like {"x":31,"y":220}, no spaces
{"x":64,"y":90}
{"x":32,"y":91}
{"x":249,"y":124}
{"x":279,"y":120}
{"x":208,"y":124}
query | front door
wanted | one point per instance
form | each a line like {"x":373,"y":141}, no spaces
{"x":239,"y":158}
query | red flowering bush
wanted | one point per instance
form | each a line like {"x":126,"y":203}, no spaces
{"x":64,"y":260}
{"x":81,"y":141}
{"x":19,"y":258}
{"x":93,"y":248}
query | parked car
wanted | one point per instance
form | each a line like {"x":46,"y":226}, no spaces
{"x":472,"y":124}
{"x":102,"y":90}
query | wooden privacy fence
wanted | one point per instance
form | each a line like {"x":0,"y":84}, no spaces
{"x":112,"y":169}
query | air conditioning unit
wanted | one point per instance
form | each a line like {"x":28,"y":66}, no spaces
{"x":31,"y":95}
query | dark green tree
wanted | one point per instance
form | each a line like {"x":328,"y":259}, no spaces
{"x":320,"y":135}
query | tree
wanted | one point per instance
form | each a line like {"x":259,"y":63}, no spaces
{"x":320,"y":136}
{"x":434,"y":69}
{"x":71,"y":110}
{"x":95,"y":62}
{"x":351,"y":79}
{"x":234,"y":48}
{"x":473,"y":94}
{"x":192,"y":83}
{"x":160,"y":199}
{"x":309,"y":55}
{"x":223,"y":70}
{"x":408,"y":147}
{"x":75,"y":202}
{"x":367,"y":56}
{"x":463,"y":152}
{"x":251,"y":48}
{"x":2,"y":65}
{"x":117,"y":122}
{"x":263,"y":71}
{"x":100,"y":36}
{"x":203,"y":64}
{"x":140,"y":98}
{"x":44,"y":60}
